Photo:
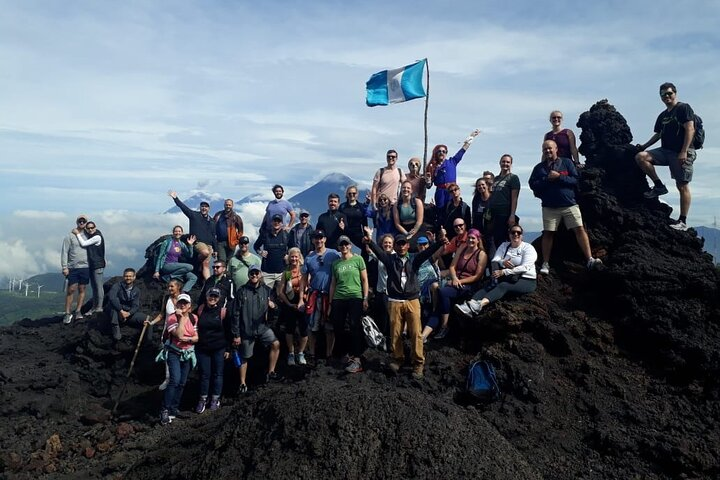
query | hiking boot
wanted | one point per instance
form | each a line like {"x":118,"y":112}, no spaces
{"x":300,"y":359}
{"x":78,"y":315}
{"x":418,"y":373}
{"x":291,"y":359}
{"x":67,"y":319}
{"x":679,"y":225}
{"x":545,"y":269}
{"x":442,"y":333}
{"x":354,"y":366}
{"x":242,"y":389}
{"x":273,"y":377}
{"x":214,"y":403}
{"x":593,"y":263}
{"x":165,"y":417}
{"x":656,"y":191}
{"x":200,"y":408}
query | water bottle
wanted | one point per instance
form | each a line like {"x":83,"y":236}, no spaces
{"x":237,"y":359}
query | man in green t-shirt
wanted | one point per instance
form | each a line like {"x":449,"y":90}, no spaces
{"x":349,"y":299}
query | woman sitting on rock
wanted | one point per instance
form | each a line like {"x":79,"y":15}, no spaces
{"x":168,"y":264}
{"x":466,"y":270}
{"x":513,"y":271}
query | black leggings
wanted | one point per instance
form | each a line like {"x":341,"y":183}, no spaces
{"x":348,"y":312}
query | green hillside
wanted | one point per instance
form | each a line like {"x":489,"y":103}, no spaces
{"x":16,"y":306}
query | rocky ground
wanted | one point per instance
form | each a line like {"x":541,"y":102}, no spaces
{"x":605,"y":374}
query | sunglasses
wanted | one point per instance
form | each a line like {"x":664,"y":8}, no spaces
{"x":459,"y":225}
{"x":392,"y":156}
{"x":400,"y":243}
{"x":254,"y":273}
{"x":667,"y":94}
{"x":216,"y":267}
{"x":81,"y":222}
{"x":343,"y":245}
{"x":556,"y":118}
{"x":515,"y":233}
{"x":352,"y":193}
{"x":442,"y":151}
{"x":213,"y":296}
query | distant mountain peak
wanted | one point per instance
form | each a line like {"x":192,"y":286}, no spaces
{"x":336,"y":177}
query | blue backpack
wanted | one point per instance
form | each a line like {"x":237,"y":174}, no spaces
{"x":481,"y":381}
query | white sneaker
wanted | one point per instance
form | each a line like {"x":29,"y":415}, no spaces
{"x":164,"y":384}
{"x":545,"y":269}
{"x":678,"y":225}
{"x":291,"y":359}
{"x":67,"y":319}
{"x":593,"y":263}
{"x":300,"y":359}
{"x":471,"y":308}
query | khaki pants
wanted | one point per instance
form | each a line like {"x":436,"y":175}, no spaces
{"x":406,"y":312}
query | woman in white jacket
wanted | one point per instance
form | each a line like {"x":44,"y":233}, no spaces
{"x":513,"y":271}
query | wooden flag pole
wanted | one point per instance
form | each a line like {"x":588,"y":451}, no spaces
{"x":427,"y":99}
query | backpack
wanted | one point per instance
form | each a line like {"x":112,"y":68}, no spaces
{"x":400,"y":174}
{"x":699,"y":136}
{"x":373,"y":336}
{"x":481,"y":381}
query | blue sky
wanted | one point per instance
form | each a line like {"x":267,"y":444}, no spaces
{"x":107,"y":105}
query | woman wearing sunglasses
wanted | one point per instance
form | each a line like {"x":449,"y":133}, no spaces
{"x":442,"y":171}
{"x":564,"y":137}
{"x":513,"y":271}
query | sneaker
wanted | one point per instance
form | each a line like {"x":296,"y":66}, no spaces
{"x":425,"y":339}
{"x":545,"y":269}
{"x":656,"y":191}
{"x":164,"y":384}
{"x":394,"y":367}
{"x":593,"y":263}
{"x":300,"y":359}
{"x":273,"y":377}
{"x":291,"y":359}
{"x":243,"y":389}
{"x":442,"y":333}
{"x":165,"y":417}
{"x":214,"y":403}
{"x":78,"y":315}
{"x":418,"y":374}
{"x":96,"y":310}
{"x":678,"y":225}
{"x":67,"y":319}
{"x":354,"y":366}
{"x":470,"y":309}
{"x":200,"y":408}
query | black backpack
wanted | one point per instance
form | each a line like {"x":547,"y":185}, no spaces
{"x":699,"y":137}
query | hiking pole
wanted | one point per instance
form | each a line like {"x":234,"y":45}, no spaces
{"x":132,"y":364}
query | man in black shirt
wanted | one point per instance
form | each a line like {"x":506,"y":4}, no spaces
{"x":332,"y":222}
{"x":272,"y":246}
{"x":675,"y":126}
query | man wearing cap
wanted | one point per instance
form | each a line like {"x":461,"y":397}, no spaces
{"x":272,"y":246}
{"x":202,"y":226}
{"x":228,"y":230}
{"x":76,"y":269}
{"x":278,"y":206}
{"x":300,"y":235}
{"x":403,"y":291}
{"x":332,"y":222}
{"x":316,"y":277}
{"x":222,"y":281}
{"x":252,"y":305}
{"x":124,"y":306}
{"x":240,"y":263}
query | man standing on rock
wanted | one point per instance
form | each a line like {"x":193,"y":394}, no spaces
{"x":553,"y":181}
{"x":76,"y":269}
{"x":228,"y":230}
{"x":675,"y":127}
{"x":278,"y":206}
{"x":387,"y":180}
{"x":332,"y":222}
{"x":202,"y":226}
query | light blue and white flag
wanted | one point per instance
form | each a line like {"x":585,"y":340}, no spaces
{"x":396,"y":85}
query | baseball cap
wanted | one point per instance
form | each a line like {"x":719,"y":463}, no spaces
{"x":213,"y":292}
{"x":204,"y":204}
{"x":254,"y":268}
{"x":400,"y":237}
{"x":277,"y":218}
{"x":304,"y":214}
{"x":422,"y":241}
{"x":244,"y":239}
{"x":318,"y":234}
{"x":344,"y":239}
{"x":183,"y":297}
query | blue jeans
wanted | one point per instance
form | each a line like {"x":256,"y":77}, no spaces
{"x":448,"y":294}
{"x":178,"y":376}
{"x":211,"y":364}
{"x":180,"y":270}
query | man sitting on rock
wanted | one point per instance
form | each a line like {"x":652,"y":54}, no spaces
{"x":553,"y":181}
{"x":250,"y":324}
{"x":124,"y":305}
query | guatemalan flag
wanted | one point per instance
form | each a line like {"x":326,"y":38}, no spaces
{"x":396,"y":85}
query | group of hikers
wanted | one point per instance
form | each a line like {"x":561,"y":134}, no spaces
{"x":313,"y":284}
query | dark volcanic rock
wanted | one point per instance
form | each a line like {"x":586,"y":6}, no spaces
{"x":609,"y":374}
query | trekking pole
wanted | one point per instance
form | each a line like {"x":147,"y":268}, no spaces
{"x":132,"y":364}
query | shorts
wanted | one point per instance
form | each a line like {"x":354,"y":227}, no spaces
{"x":80,"y":276}
{"x":552,"y":217}
{"x":665,"y":157}
{"x":267,"y":338}
{"x":271,"y":279}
